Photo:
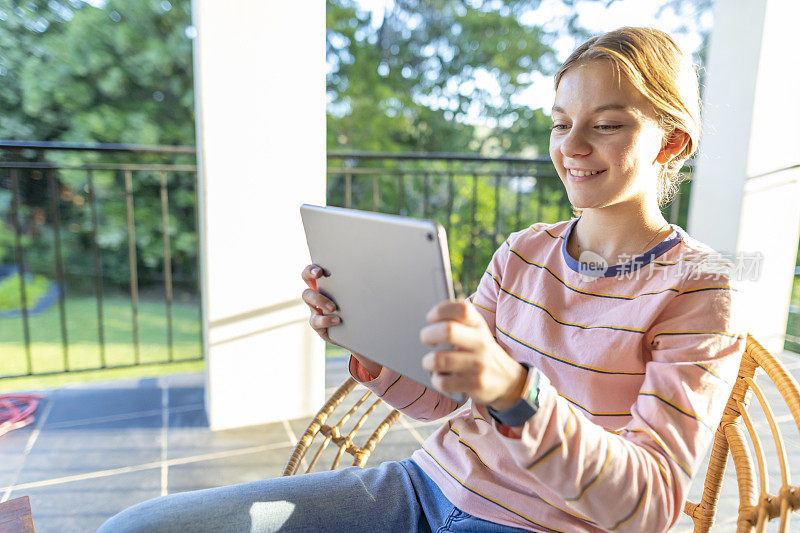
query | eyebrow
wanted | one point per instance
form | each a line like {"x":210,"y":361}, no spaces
{"x":559,"y":109}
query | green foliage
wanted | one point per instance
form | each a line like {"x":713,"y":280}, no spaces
{"x":6,"y":239}
{"x":73,"y":72}
{"x":419,"y":78}
{"x":117,"y":73}
{"x":11,"y":293}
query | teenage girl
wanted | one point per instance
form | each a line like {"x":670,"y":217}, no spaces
{"x":597,"y":352}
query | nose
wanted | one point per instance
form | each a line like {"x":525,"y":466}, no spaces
{"x":574,"y":143}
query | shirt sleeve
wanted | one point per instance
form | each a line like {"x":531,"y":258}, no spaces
{"x":694,"y":349}
{"x":406,"y":395}
{"x":414,"y":399}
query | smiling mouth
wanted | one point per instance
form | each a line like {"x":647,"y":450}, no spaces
{"x":583,"y":173}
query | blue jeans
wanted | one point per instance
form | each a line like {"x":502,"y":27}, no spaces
{"x":393,"y":497}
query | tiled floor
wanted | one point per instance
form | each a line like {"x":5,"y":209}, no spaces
{"x":98,"y":448}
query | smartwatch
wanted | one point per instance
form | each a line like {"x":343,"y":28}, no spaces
{"x":526,"y":407}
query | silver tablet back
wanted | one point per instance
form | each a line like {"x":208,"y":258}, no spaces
{"x":385,"y":273}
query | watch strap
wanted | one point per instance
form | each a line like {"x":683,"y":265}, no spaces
{"x":527,"y":406}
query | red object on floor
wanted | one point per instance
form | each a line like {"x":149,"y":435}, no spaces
{"x":16,"y":411}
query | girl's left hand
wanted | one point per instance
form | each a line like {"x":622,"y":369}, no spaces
{"x":476,"y":366}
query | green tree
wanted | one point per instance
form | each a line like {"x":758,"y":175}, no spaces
{"x":117,"y":73}
{"x":121,"y":72}
{"x":22,"y":26}
{"x":420,"y":74}
{"x":418,"y":78}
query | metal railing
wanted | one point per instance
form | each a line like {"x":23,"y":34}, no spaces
{"x":73,"y":221}
{"x":100,"y":223}
{"x":479,"y":200}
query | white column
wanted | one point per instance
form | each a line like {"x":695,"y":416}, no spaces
{"x":260,"y":102}
{"x":746,"y":190}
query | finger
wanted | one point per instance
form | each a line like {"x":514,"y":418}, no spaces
{"x":449,"y":361}
{"x":453,"y":383}
{"x":318,"y":301}
{"x":452,"y":310}
{"x":323,"y":322}
{"x":322,"y":332}
{"x":449,"y":332}
{"x":310,"y":275}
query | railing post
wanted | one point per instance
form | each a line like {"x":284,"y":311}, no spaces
{"x":450,"y":194}
{"x":518,"y":207}
{"x":98,"y":269}
{"x":55,"y":199}
{"x":18,"y":253}
{"x":469,"y":268}
{"x":167,"y":260}
{"x":401,"y":190}
{"x":497,"y":221}
{"x":134,"y":273}
{"x":375,"y":197}
{"x":426,"y":195}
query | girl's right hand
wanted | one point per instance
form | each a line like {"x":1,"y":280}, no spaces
{"x":322,"y":316}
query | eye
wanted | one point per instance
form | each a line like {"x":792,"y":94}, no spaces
{"x":560,"y":127}
{"x":608,"y":127}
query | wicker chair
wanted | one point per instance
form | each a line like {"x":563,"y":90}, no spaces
{"x":334,"y":433}
{"x":755,"y":509}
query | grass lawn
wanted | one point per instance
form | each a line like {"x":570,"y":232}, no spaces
{"x":331,"y":350}
{"x":793,"y":326}
{"x":47,"y":354}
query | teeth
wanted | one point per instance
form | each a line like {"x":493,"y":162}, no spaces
{"x":581,"y":173}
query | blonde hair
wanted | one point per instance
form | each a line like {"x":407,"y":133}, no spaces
{"x":655,"y":65}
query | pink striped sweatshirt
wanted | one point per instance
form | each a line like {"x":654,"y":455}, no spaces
{"x":636,"y":366}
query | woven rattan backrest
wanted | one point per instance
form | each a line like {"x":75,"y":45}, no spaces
{"x":757,"y":506}
{"x":333,"y":433}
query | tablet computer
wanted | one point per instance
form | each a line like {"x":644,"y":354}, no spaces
{"x":384,"y":272}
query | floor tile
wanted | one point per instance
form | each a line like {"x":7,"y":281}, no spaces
{"x":82,"y":506}
{"x":240,"y":468}
{"x":12,"y":454}
{"x":90,"y":402}
{"x":88,"y":448}
{"x":186,"y":396}
{"x":195,"y":439}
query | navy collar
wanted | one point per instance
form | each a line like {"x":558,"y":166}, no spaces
{"x":623,"y":268}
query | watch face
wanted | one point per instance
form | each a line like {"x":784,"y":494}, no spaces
{"x":533,"y":395}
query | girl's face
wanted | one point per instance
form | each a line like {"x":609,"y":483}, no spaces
{"x":605,"y":139}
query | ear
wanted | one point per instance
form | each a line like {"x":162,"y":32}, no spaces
{"x":674,"y":145}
